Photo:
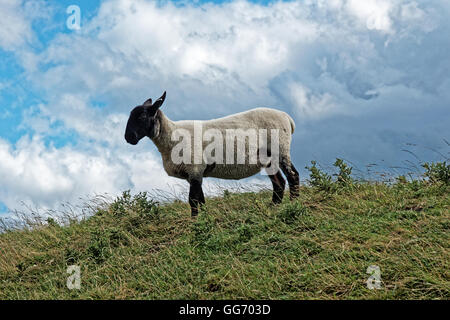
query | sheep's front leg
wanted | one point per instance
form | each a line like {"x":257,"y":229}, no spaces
{"x":196,"y":197}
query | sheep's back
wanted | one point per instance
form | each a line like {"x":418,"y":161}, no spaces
{"x":258,"y":118}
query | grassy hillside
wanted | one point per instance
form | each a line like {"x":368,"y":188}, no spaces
{"x":240,"y":246}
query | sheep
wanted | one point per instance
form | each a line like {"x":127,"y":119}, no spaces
{"x":147,"y":120}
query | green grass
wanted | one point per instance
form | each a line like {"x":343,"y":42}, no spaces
{"x":242,"y":247}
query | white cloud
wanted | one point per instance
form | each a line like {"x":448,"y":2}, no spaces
{"x":16,"y":17}
{"x":308,"y":104}
{"x":15,"y":27}
{"x":411,"y":12}
{"x":349,"y":71}
{"x":45,"y":176}
{"x":374,"y":14}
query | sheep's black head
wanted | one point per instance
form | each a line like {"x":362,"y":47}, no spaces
{"x":143,"y":121}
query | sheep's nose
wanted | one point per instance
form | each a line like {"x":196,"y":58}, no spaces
{"x":131,"y":138}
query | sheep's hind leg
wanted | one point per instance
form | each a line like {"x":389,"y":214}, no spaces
{"x":196,"y":196}
{"x":278,"y":184}
{"x":292,"y":177}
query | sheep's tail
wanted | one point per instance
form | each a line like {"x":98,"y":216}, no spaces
{"x":292,"y":124}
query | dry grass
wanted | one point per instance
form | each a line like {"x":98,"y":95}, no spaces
{"x":240,"y":246}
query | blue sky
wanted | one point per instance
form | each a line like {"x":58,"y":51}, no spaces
{"x":364,"y":80}
{"x":45,"y":29}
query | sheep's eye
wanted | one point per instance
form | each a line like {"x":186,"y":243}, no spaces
{"x":142,"y":117}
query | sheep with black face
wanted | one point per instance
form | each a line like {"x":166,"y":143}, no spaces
{"x":147,"y":120}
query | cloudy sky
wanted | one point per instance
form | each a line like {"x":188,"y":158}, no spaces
{"x":364,"y":80}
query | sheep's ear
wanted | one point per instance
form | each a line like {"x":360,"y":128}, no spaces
{"x":147,"y":103}
{"x":160,"y":101}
